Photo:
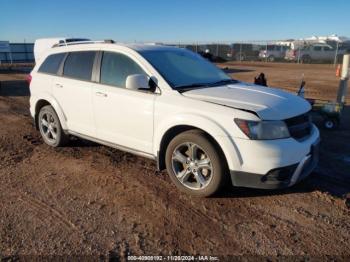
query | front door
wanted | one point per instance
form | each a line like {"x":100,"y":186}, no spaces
{"x":123,"y":117}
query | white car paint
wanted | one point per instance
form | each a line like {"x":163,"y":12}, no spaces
{"x":138,"y":121}
{"x":124,"y":117}
{"x":268,"y":103}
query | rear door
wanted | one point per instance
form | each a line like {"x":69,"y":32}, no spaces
{"x":328,"y":53}
{"x":123,"y":117}
{"x":48,"y":71}
{"x":73,"y":91}
{"x":317,"y":53}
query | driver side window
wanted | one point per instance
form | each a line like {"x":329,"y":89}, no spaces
{"x":116,"y":67}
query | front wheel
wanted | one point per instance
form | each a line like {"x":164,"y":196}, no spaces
{"x":194,"y":164}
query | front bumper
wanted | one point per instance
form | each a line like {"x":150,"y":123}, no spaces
{"x":280,"y":177}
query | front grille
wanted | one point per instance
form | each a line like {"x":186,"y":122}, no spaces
{"x":299,"y":126}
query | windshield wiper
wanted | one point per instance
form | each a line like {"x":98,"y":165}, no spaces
{"x":191,"y":86}
{"x":224,"y":82}
{"x":185,"y":88}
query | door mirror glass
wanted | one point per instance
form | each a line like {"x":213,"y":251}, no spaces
{"x":137,"y":82}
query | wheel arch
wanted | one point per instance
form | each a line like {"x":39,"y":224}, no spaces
{"x":47,"y":100}
{"x":306,"y":58}
{"x":271,"y":58}
{"x":224,"y":144}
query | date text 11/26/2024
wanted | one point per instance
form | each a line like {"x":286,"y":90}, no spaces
{"x":173,"y":258}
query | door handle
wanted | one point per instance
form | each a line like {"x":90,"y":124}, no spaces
{"x":59,"y":85}
{"x":101,"y":94}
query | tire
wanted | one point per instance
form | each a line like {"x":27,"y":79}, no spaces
{"x":240,"y":57}
{"x":202,"y":172}
{"x":306,"y":59}
{"x":331,"y":123}
{"x":271,"y":58}
{"x":50,"y":127}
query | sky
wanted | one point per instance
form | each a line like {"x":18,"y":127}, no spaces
{"x":172,"y":20}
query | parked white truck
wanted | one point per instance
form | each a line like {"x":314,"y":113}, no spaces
{"x":313,"y":53}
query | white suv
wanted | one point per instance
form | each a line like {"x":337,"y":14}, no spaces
{"x":173,"y":106}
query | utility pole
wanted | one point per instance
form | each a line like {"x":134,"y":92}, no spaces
{"x":343,"y":85}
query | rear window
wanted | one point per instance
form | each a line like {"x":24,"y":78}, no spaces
{"x":79,"y":65}
{"x":52,"y":63}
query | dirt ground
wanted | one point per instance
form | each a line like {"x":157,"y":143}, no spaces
{"x":90,"y":200}
{"x":321,"y":81}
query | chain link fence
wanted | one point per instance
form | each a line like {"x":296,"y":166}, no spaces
{"x":297,"y":51}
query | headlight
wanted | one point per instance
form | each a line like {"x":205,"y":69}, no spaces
{"x":263,"y":130}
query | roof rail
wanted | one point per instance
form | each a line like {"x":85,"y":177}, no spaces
{"x":65,"y":43}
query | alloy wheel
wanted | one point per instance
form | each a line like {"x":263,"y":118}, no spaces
{"x":192,"y":166}
{"x":49,"y":127}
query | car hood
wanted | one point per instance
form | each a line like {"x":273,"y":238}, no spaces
{"x":268,"y":103}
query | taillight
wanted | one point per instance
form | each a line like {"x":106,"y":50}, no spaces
{"x":29,"y":79}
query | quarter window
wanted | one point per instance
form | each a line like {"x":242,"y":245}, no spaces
{"x":79,"y":65}
{"x":115,"y":68}
{"x":52,"y":63}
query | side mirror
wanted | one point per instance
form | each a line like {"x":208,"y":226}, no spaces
{"x":137,"y":82}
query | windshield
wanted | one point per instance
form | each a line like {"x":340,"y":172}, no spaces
{"x":184,"y":69}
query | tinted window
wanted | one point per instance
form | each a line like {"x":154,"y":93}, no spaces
{"x":79,"y":65}
{"x":317,"y":48}
{"x":244,"y":47}
{"x":52,"y":63}
{"x":181,"y":67}
{"x":326,"y":48}
{"x":115,"y":68}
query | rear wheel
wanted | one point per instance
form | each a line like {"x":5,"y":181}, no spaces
{"x":306,"y":59}
{"x":50,"y":127}
{"x":271,"y":58}
{"x":194,"y":164}
{"x":240,"y":57}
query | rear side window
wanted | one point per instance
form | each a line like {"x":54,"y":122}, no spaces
{"x":79,"y":65}
{"x":115,"y":68}
{"x":52,"y":63}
